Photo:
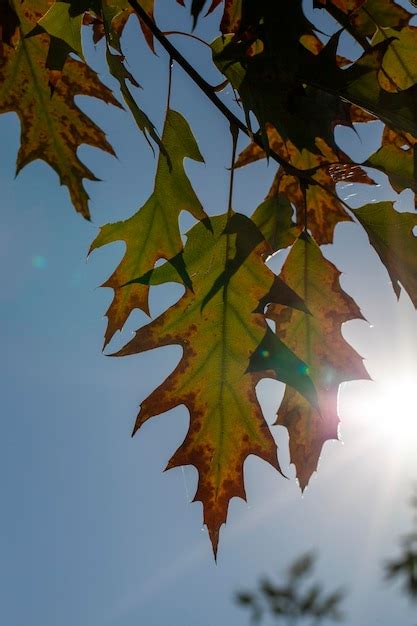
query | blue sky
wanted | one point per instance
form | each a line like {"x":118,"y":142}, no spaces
{"x":92,"y":533}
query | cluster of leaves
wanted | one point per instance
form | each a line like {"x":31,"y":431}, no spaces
{"x":293,"y":602}
{"x":294,"y":82}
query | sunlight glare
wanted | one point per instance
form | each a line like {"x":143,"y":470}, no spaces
{"x":389,"y":407}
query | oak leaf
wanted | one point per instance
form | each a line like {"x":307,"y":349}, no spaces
{"x":63,"y":22}
{"x":316,"y":338}
{"x":153,"y":232}
{"x":52,"y":127}
{"x":219,"y":326}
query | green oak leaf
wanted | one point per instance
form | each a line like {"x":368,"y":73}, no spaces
{"x":153,"y":232}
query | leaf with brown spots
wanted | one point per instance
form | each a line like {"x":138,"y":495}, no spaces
{"x":219,"y":326}
{"x":153,"y":232}
{"x":52,"y":127}
{"x":324,"y":210}
{"x":391,"y":233}
{"x":315,"y":337}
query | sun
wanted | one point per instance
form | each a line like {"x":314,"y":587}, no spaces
{"x":395,"y":406}
{"x":387,"y":406}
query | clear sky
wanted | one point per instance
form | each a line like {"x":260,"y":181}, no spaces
{"x":92,"y":533}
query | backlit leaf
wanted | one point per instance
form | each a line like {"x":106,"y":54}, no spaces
{"x":316,"y":338}
{"x":153,"y":232}
{"x":52,"y":128}
{"x":62,"y":22}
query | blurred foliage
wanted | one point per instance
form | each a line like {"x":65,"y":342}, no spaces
{"x":404,"y":567}
{"x":297,"y":600}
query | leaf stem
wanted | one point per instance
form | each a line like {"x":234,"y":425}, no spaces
{"x":170,"y":66}
{"x":234,"y":131}
{"x":304,"y":192}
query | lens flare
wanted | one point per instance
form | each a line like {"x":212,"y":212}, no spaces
{"x":39,"y":262}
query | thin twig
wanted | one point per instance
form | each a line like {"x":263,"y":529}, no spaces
{"x":166,"y":33}
{"x":304,"y":193}
{"x":171,"y":63}
{"x":234,"y":131}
